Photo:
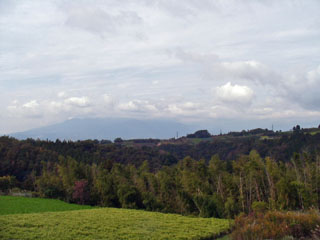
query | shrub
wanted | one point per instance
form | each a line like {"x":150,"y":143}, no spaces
{"x":129,"y":197}
{"x":275,"y":225}
{"x":259,"y":206}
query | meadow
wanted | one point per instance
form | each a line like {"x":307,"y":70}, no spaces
{"x":107,"y":223}
{"x":17,"y":205}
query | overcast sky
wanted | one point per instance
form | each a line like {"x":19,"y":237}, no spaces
{"x":190,"y":60}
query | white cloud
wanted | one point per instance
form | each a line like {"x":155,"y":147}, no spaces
{"x":31,"y":109}
{"x":57,"y":107}
{"x":137,"y":106}
{"x":294,"y":33}
{"x":234,"y":93}
{"x":129,"y":106}
{"x":173,"y":108}
{"x":61,"y":94}
{"x":12,"y":108}
{"x":188,"y":109}
{"x":155,"y":82}
{"x":32,"y":104}
{"x":78,"y":101}
{"x":190,"y":105}
{"x":151,"y":107}
{"x":108,"y":100}
{"x":313,"y":76}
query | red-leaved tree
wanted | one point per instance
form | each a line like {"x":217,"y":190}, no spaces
{"x":81,"y":193}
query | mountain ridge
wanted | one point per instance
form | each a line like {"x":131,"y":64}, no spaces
{"x":107,"y":128}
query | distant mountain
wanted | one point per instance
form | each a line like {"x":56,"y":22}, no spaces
{"x":107,"y":128}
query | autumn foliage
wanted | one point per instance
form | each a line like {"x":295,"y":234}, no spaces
{"x":81,"y":192}
{"x":276,"y":225}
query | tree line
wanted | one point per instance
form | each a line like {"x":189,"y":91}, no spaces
{"x":20,"y":158}
{"x":189,"y":187}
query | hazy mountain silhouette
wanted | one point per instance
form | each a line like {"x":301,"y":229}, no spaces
{"x":107,"y":128}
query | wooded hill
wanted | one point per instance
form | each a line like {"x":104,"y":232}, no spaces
{"x":200,"y":174}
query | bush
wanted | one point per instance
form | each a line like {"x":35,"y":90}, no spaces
{"x":275,"y":225}
{"x":259,"y":206}
{"x":129,"y":197}
{"x":6,"y":183}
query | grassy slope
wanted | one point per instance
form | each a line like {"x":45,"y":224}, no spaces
{"x":107,"y":223}
{"x":17,"y":205}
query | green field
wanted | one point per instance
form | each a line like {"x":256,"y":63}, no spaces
{"x":108,"y":223}
{"x":315,"y":132}
{"x":16,"y":205}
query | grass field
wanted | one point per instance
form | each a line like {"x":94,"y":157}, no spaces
{"x":315,"y":132}
{"x":108,"y":223}
{"x":16,"y":205}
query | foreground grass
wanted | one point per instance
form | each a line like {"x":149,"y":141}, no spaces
{"x":109,"y":223}
{"x":17,"y":205}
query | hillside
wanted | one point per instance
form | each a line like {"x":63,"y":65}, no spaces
{"x":28,"y":154}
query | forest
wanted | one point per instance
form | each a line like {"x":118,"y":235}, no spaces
{"x":216,"y":176}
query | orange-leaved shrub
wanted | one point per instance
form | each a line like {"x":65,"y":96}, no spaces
{"x":275,"y":225}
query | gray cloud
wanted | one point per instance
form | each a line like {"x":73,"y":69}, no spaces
{"x":215,"y":67}
{"x":99,"y":21}
{"x":303,"y":89}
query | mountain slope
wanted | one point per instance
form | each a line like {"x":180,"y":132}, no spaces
{"x":103,"y":128}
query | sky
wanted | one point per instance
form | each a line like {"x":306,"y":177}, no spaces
{"x":195,"y":61}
